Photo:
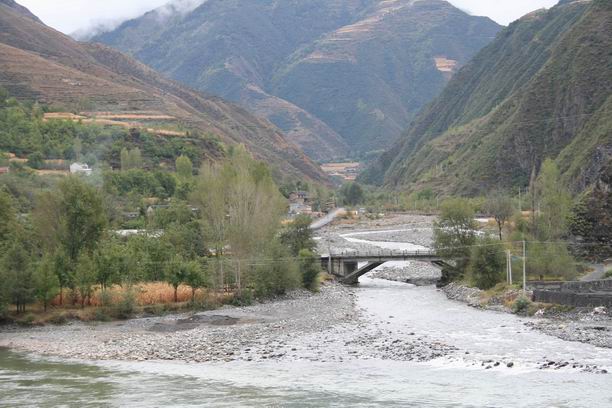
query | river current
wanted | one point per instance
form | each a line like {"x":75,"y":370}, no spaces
{"x":27,"y":380}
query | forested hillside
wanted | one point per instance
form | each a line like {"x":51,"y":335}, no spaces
{"x":38,"y":63}
{"x":542,"y":89}
{"x":338,"y":76}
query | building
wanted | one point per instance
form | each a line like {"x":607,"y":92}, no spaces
{"x":299,"y":197}
{"x":80,"y":168}
{"x":297,"y":209}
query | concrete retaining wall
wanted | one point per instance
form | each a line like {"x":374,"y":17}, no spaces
{"x":575,"y":286}
{"x":575,"y":299}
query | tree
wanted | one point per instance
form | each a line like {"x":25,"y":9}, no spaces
{"x":195,"y":277}
{"x":7,"y":217}
{"x":184,"y":168}
{"x":555,"y":203}
{"x":487,"y":263}
{"x":17,"y":273}
{"x":111,"y":263}
{"x":82,"y":218}
{"x":36,"y":160}
{"x":310,"y":267}
{"x":274,"y":271}
{"x":352,"y":193}
{"x":85,"y":278}
{"x":241,"y":206}
{"x":591,"y":220}
{"x":454,"y":235}
{"x":78,"y":148}
{"x":550,"y":259}
{"x":176,"y":274}
{"x":47,"y":282}
{"x":500,"y":207}
{"x":125,"y":159}
{"x":298,"y":235}
{"x":63,"y":269}
{"x":135,"y":158}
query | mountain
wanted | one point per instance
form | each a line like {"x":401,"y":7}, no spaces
{"x":542,"y":89}
{"x":39,"y":63}
{"x":338,"y":76}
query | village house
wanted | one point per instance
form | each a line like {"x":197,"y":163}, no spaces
{"x":299,"y":203}
{"x":80,"y":168}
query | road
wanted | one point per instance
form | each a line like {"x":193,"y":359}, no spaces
{"x":321,"y":222}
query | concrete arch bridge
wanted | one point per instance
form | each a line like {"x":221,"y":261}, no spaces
{"x":346,"y":265}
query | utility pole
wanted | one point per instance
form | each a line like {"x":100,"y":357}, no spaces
{"x":509,"y":266}
{"x":520,"y":202}
{"x":238,"y":279}
{"x":524,"y":267}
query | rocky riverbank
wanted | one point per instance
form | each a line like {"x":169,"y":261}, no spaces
{"x":300,"y":326}
{"x":586,"y":325}
{"x":328,"y":326}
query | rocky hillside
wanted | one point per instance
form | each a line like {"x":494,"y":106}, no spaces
{"x":39,"y":63}
{"x":542,"y":89}
{"x":338,"y":76}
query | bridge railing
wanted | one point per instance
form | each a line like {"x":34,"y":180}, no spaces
{"x":384,"y":254}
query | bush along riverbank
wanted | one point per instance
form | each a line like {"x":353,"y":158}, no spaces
{"x":586,"y":325}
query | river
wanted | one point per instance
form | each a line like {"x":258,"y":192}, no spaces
{"x":459,"y":380}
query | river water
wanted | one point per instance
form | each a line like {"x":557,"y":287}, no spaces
{"x":460,"y":381}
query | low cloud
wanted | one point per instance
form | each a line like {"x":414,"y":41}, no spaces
{"x":163,"y":12}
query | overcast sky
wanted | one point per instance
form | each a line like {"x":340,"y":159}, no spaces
{"x":69,"y":16}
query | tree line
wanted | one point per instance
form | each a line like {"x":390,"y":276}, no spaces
{"x":480,"y":257}
{"x":219,"y":228}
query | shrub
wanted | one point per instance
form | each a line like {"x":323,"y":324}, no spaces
{"x":126,"y":306}
{"x":310,"y":269}
{"x":101,"y":315}
{"x":521,"y":305}
{"x":487,"y":263}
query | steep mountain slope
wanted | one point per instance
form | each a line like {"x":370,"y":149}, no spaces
{"x":542,"y":89}
{"x":37,"y":62}
{"x":336,"y":75}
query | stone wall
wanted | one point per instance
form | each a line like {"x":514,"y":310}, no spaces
{"x":578,"y":294}
{"x":573,"y":298}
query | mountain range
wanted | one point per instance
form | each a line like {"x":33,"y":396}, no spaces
{"x":339,"y":77}
{"x":39,"y":63}
{"x":542,"y":89}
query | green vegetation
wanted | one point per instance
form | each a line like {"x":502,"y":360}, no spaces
{"x":24,"y":133}
{"x":487,"y":264}
{"x":298,"y":236}
{"x":501,"y":208}
{"x":540,"y":90}
{"x":352,"y":194}
{"x":454,"y":236}
{"x":97,"y":241}
{"x":474,"y":256}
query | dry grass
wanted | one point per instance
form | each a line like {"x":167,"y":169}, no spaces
{"x":52,"y":172}
{"x":150,"y":298}
{"x":146,"y":294}
{"x":116,"y":119}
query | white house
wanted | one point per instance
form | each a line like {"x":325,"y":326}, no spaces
{"x":80,"y":168}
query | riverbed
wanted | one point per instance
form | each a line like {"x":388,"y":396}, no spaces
{"x":382,"y":343}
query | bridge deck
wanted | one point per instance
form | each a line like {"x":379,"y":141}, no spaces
{"x":385,"y":256}
{"x":346,"y":265}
